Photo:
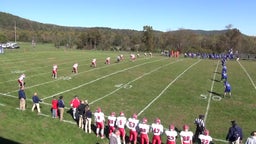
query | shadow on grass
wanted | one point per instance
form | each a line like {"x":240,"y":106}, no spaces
{"x":215,"y":80}
{"x":214,"y":93}
{"x":7,"y":141}
{"x":217,"y":72}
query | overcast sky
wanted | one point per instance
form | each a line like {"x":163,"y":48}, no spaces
{"x":163,"y":15}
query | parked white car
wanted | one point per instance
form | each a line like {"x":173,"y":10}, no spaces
{"x":10,"y":45}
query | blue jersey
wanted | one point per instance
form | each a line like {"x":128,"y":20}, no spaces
{"x":224,"y":69}
{"x":224,"y":76}
{"x":227,"y":87}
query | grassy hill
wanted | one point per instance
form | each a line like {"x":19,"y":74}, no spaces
{"x":176,"y":90}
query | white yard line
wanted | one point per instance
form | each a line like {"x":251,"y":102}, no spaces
{"x":1,"y":104}
{"x":167,"y":87}
{"x":79,"y":86}
{"x":210,"y":95}
{"x":133,"y":81}
{"x":247,"y":74}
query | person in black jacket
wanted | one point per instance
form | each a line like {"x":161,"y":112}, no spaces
{"x":81,"y":112}
{"x":235,"y":133}
{"x":88,"y":119}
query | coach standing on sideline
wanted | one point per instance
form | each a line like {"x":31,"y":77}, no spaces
{"x":200,"y":126}
{"x":22,"y":98}
{"x":235,"y":134}
{"x":36,"y":101}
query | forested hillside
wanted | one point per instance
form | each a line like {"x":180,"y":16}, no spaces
{"x":147,"y":39}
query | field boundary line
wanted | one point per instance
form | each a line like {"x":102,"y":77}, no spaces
{"x":210,"y":95}
{"x":247,"y":74}
{"x":133,"y":81}
{"x":168,"y":87}
{"x":79,"y":86}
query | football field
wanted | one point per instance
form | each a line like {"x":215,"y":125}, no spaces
{"x":176,"y":90}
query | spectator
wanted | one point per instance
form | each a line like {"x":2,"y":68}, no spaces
{"x":88,"y":119}
{"x":61,"y":106}
{"x":22,"y":98}
{"x":200,"y":126}
{"x":54,"y":107}
{"x":114,"y":138}
{"x":36,"y":101}
{"x":252,"y":138}
{"x":81,"y":112}
{"x":235,"y":133}
{"x":74,"y":103}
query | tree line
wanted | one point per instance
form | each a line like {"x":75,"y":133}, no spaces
{"x":147,"y":40}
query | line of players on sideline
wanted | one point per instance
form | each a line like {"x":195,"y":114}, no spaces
{"x":115,"y":126}
{"x":138,"y":129}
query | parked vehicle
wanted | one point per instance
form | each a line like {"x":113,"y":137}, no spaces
{"x":10,"y":45}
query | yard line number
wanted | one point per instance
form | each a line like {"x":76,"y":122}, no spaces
{"x":214,"y":97}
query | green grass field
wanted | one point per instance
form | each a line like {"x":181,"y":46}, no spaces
{"x":175,"y":90}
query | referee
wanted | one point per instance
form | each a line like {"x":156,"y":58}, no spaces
{"x":200,"y":126}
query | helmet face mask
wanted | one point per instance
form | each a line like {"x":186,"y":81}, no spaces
{"x":99,"y":109}
{"x":144,"y":120}
{"x":113,"y":114}
{"x":185,"y":127}
{"x":158,"y":121}
{"x":121,"y":114}
{"x":206,"y":132}
{"x":171,"y":127}
{"x":134,"y":116}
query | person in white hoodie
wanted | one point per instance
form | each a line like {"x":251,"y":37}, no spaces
{"x":252,"y":138}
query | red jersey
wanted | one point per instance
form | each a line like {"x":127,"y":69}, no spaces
{"x":54,"y":104}
{"x":75,"y":103}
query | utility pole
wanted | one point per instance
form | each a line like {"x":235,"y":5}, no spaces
{"x":15,"y":31}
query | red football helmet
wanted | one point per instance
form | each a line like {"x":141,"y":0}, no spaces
{"x":171,"y":127}
{"x":113,"y":114}
{"x":134,"y":116}
{"x":144,"y":120}
{"x":98,"y":109}
{"x":185,"y":127}
{"x":121,"y":113}
{"x":158,"y":120}
{"x":206,"y":132}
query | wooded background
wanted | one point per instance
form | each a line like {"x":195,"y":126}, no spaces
{"x":14,"y":28}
